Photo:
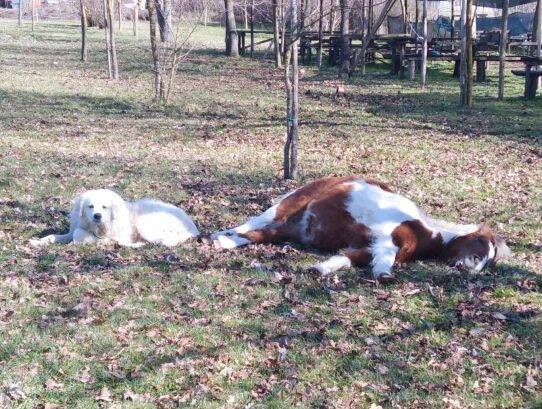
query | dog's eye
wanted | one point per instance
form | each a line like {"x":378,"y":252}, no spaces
{"x":91,"y":206}
{"x":104,"y":207}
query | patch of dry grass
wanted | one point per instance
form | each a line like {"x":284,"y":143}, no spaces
{"x":92,"y":327}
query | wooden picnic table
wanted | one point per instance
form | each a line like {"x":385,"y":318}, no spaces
{"x":532,"y":72}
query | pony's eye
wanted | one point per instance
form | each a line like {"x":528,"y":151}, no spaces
{"x":104,"y":207}
{"x":477,"y":259}
{"x":91,"y":206}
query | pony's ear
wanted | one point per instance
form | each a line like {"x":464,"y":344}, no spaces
{"x":502,"y":251}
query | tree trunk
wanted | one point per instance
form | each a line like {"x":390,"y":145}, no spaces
{"x":120,"y":13}
{"x":245,"y":14}
{"x":452,"y":11}
{"x":466,"y":80}
{"x":292,"y":98}
{"x":502,"y":48}
{"x":156,"y":69}
{"x":84,"y":25}
{"x":232,"y":41}
{"x":20,"y":13}
{"x":345,"y":39}
{"x":112,"y":44}
{"x":276,"y":39}
{"x":136,"y":18}
{"x":424,"y":46}
{"x":107,"y":39}
{"x":331,"y":15}
{"x":251,"y":28}
{"x":163,"y":11}
{"x":320,"y":34}
{"x":33,"y":13}
{"x":535,"y":22}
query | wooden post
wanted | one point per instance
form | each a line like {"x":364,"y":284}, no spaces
{"x":320,"y":34}
{"x":502,"y":48}
{"x":136,"y":18}
{"x":251,"y":28}
{"x":84,"y":25}
{"x":20,"y":13}
{"x":423,"y":75}
{"x":481,"y":67}
{"x":411,"y":69}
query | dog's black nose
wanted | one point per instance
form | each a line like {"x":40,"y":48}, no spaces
{"x":97,"y":216}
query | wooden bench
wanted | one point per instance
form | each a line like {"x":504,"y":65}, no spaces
{"x":531,"y":79}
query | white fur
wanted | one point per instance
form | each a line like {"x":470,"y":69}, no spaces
{"x":382,"y":212}
{"x":120,"y":221}
{"x":332,"y":264}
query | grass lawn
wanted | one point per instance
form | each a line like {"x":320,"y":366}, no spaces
{"x":94,"y":327}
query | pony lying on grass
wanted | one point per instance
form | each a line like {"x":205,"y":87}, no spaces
{"x":369,"y":225}
{"x":102,"y":216}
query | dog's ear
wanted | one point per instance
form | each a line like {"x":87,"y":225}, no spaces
{"x":119,"y":210}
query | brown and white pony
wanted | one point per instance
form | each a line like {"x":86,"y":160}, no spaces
{"x":369,"y":225}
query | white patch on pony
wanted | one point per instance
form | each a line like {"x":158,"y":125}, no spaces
{"x":332,"y":264}
{"x":229,"y":242}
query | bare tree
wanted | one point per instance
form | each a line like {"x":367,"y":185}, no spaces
{"x":156,"y":69}
{"x":345,"y":39}
{"x":119,"y":4}
{"x":502,"y":48}
{"x":84,"y":26}
{"x":232,"y":40}
{"x":465,"y":79}
{"x":34,"y":11}
{"x":136,"y":18}
{"x":276,"y":34}
{"x":20,"y":14}
{"x":291,"y":76}
{"x":163,"y":12}
{"x":110,"y":40}
{"x":424,"y":45}
{"x":320,"y":34}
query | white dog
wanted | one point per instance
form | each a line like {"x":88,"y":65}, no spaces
{"x":103,"y":216}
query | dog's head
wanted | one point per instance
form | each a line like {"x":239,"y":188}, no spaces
{"x":98,"y":209}
{"x":476,"y":250}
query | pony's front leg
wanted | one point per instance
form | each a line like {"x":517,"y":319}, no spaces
{"x":254,"y":223}
{"x":383,"y":257}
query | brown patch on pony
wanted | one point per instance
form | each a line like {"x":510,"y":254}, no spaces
{"x":472,"y":244}
{"x":313,"y":191}
{"x":415,"y":241}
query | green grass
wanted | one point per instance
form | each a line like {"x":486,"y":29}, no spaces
{"x":203,"y":328}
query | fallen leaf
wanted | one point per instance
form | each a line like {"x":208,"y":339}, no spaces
{"x":104,"y":396}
